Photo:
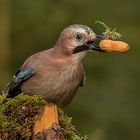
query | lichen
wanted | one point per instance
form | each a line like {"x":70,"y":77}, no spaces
{"x":110,"y":33}
{"x":17,"y":117}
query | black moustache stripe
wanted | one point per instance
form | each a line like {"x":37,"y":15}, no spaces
{"x":80,"y":48}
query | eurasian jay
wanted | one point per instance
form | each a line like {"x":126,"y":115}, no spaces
{"x":57,"y":73}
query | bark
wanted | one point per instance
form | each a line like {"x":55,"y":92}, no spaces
{"x":53,"y":133}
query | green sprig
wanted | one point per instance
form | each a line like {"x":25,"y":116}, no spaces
{"x":109,"y":33}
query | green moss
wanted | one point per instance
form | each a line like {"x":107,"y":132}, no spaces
{"x":17,"y":117}
{"x":68,"y":128}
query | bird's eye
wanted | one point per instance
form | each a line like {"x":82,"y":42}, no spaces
{"x":79,"y":36}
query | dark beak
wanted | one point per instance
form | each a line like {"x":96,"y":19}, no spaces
{"x":91,"y":45}
{"x":94,"y":44}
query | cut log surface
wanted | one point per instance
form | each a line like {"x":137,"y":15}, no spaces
{"x":46,"y":118}
{"x":47,"y":126}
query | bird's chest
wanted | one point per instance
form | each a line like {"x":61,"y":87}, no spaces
{"x":62,"y":85}
{"x":57,"y":85}
{"x":63,"y":78}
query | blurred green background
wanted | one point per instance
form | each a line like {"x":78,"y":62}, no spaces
{"x":108,"y":106}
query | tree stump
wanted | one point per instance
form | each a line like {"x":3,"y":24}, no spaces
{"x":47,"y":126}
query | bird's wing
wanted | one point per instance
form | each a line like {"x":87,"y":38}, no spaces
{"x":14,"y":86}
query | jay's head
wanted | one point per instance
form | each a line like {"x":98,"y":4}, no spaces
{"x":78,"y":39}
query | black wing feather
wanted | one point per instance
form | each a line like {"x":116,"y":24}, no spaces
{"x":14,"y":86}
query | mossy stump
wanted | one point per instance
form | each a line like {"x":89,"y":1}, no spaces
{"x":32,"y":118}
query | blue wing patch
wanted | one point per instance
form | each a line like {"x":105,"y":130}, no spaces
{"x":14,"y":86}
{"x":22,"y":75}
